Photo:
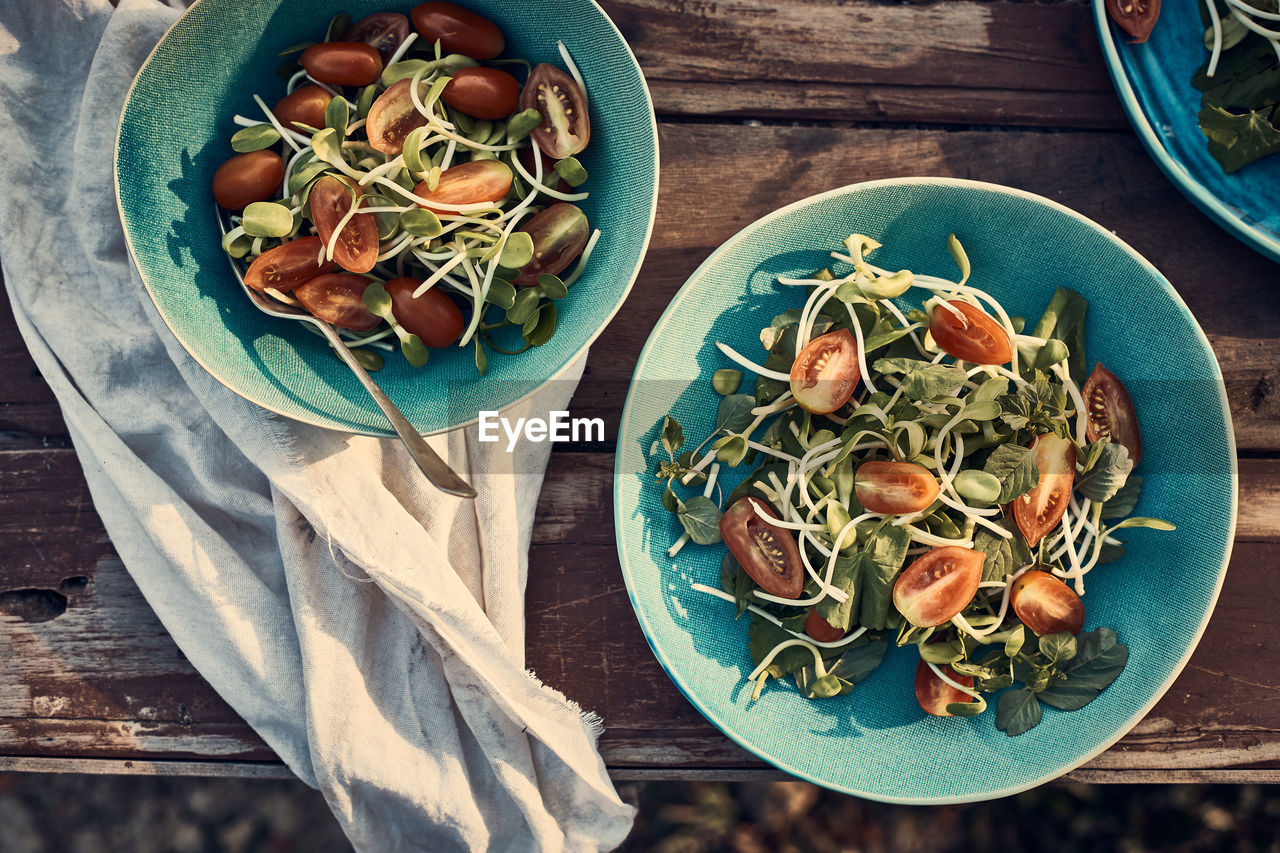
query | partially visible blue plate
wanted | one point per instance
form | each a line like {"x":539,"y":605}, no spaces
{"x":175,"y":132}
{"x":876,"y":742}
{"x":1153,"y":81}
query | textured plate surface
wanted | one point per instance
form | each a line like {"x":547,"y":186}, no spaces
{"x":876,"y":742}
{"x":174,"y":133}
{"x":1153,"y":81}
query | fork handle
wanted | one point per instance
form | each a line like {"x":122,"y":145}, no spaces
{"x":436,"y":469}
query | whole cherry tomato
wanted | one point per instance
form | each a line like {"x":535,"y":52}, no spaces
{"x":459,"y":30}
{"x":306,"y":105}
{"x":768,"y":554}
{"x":976,"y":338}
{"x":342,"y":63}
{"x":433,"y":316}
{"x":485,"y":93}
{"x":247,"y":178}
{"x":467,"y":183}
{"x":826,"y":372}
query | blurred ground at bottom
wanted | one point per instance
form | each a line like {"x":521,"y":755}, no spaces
{"x":90,"y":814}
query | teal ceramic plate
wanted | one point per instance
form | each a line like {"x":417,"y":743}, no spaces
{"x":174,"y":133}
{"x":1153,"y":81}
{"x":875,"y":742}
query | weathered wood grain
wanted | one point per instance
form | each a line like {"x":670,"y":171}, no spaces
{"x":1234,"y":293}
{"x":946,"y":62}
{"x":101,"y":679}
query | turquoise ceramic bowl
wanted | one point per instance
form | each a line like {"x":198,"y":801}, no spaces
{"x":1153,"y":81}
{"x":174,"y":133}
{"x":876,"y":742}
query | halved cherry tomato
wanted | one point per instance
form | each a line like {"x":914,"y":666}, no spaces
{"x":559,"y":235}
{"x":459,"y":30}
{"x":1135,"y":17}
{"x":468,"y":183}
{"x":938,"y":585}
{"x":383,"y":31}
{"x":433,"y":316}
{"x":566,"y":127}
{"x":826,"y":372}
{"x":247,"y":178}
{"x":484,"y":93}
{"x":767,"y":553}
{"x":392,"y":117}
{"x":338,"y":298}
{"x":894,"y":487}
{"x":342,"y":63}
{"x":288,"y":265}
{"x":820,"y":629}
{"x":1045,"y":604}
{"x":977,"y":338}
{"x":331,"y":199}
{"x":934,"y":694}
{"x":1110,"y":412}
{"x":307,"y":105}
{"x":1039,"y":510}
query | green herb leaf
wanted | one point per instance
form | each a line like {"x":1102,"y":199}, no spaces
{"x":1125,"y":500}
{"x":734,"y":413}
{"x":1098,"y":661}
{"x":254,"y":138}
{"x":1017,"y":711}
{"x":1004,"y":556}
{"x":730,"y":449}
{"x":700,"y":517}
{"x":736,"y":582}
{"x":1058,"y":648}
{"x":1064,"y":319}
{"x":1015,"y":467}
{"x":885,"y":553}
{"x":1104,"y":478}
{"x":1235,"y":141}
{"x":922,"y":380}
{"x":672,"y":436}
{"x":763,"y":635}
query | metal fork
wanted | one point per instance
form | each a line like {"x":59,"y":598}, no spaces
{"x":435,"y":468}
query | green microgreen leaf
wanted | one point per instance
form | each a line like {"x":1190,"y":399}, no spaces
{"x":254,"y":138}
{"x":267,"y":219}
{"x":1106,"y":472}
{"x":542,"y":330}
{"x":421,"y":222}
{"x":236,"y":245}
{"x":672,"y":436}
{"x":960,"y":256}
{"x":501,"y":293}
{"x":1063,"y":319}
{"x":571,"y":171}
{"x":1151,"y":523}
{"x":517,"y":250}
{"x":337,"y":115}
{"x":338,"y":25}
{"x":412,"y":151}
{"x":520,"y":125}
{"x":526,"y":302}
{"x":482,"y":360}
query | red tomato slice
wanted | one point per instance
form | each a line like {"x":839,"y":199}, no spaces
{"x":1110,"y":412}
{"x":566,"y":127}
{"x":468,"y":183}
{"x":767,"y":553}
{"x":938,"y":585}
{"x":485,"y":93}
{"x":826,"y":372}
{"x":288,"y":265}
{"x":934,"y":694}
{"x":977,"y":338}
{"x":357,"y":247}
{"x":433,"y":316}
{"x":895,"y":487}
{"x":342,"y":63}
{"x":1040,"y":510}
{"x":392,"y":117}
{"x":383,"y":31}
{"x":338,"y":298}
{"x":1045,"y":604}
{"x":820,"y":629}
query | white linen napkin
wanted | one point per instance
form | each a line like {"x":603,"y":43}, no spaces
{"x":369,"y":627}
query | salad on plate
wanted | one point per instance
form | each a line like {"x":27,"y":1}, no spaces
{"x":938,"y":477}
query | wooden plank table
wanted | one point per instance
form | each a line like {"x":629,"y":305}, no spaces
{"x":760,"y":103}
